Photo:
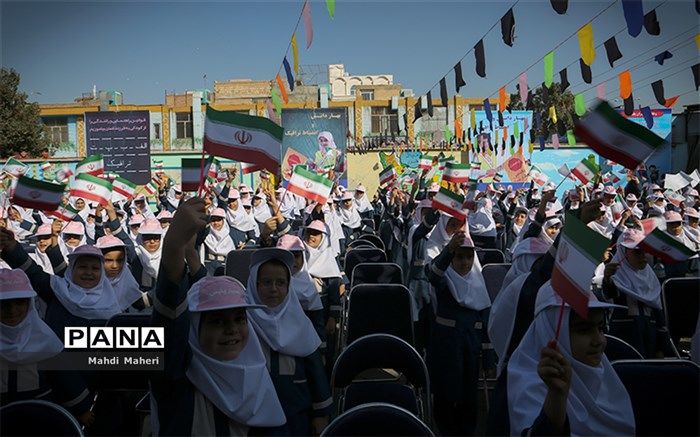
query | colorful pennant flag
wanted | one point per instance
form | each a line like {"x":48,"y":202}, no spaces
{"x":579,"y":104}
{"x":459,"y":80}
{"x":586,"y":73}
{"x":502,"y":99}
{"x":600,"y":91}
{"x":651,"y":23}
{"x":295,"y":54}
{"x":560,"y":6}
{"x":612,"y":51}
{"x":276,"y":101}
{"x":283,"y":91}
{"x":480,"y":58}
{"x":625,"y":84}
{"x":508,"y":27}
{"x":548,"y":69}
{"x":570,"y":137}
{"x":522,"y":87}
{"x":308,"y":25}
{"x":585,"y":42}
{"x":330,"y":5}
{"x":634,"y":16}
{"x":35,"y":194}
{"x":288,"y":72}
{"x":555,"y":140}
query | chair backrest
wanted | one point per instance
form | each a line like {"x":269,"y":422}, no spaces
{"x":238,"y":264}
{"x":493,"y":277}
{"x":377,"y":419}
{"x":681,"y":306}
{"x":368,"y":224}
{"x":619,"y":349}
{"x":356,"y":256}
{"x":355,"y":244}
{"x":390,"y":392}
{"x":490,"y":256}
{"x":37,"y":417}
{"x":380,"y":351}
{"x":374,"y":239}
{"x":379,"y":308}
{"x":376,"y":273}
{"x":664,"y":395}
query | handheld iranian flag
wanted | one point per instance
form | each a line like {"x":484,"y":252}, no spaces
{"x":15,"y":167}
{"x":618,"y":207}
{"x":585,"y":171}
{"x":579,"y":253}
{"x":565,"y":171}
{"x":443,"y":161}
{"x":310,"y":185}
{"x":455,"y":172}
{"x":65,"y":212}
{"x":537,"y":175}
{"x":151,"y":188}
{"x":426,"y":162}
{"x":610,"y":178}
{"x":661,"y":244}
{"x":449,"y":202}
{"x":31,"y":193}
{"x":244,"y":138}
{"x":92,"y":165}
{"x":387,"y":175}
{"x":614,"y":137}
{"x":123,"y":189}
{"x":247,"y":168}
{"x":63,"y":174}
{"x":91,"y":188}
{"x":212,"y":170}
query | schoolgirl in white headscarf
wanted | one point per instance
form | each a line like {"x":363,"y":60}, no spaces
{"x":123,"y":282}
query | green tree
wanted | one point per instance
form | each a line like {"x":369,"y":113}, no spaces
{"x":540,"y":100}
{"x":20,"y":126}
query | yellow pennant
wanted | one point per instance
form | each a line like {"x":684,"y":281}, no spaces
{"x":295,"y":53}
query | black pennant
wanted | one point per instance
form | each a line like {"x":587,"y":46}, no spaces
{"x":696,"y":75}
{"x":520,"y":144}
{"x":629,"y":105}
{"x":651,"y":23}
{"x":417,"y":112}
{"x":480,"y":58}
{"x":560,"y":6}
{"x":530,"y":105}
{"x":612,"y":51}
{"x":443,"y":92}
{"x":512,"y":141}
{"x":430,"y":103}
{"x":586,"y":72}
{"x":658,"y":88}
{"x":532,"y":135}
{"x":459,"y":80}
{"x":563,"y":80}
{"x":500,"y":118}
{"x":508,"y":27}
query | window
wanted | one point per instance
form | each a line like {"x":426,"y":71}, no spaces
{"x":384,"y":121}
{"x":183,"y":120}
{"x":367,"y":94}
{"x":56,"y":130}
{"x":156,"y":131}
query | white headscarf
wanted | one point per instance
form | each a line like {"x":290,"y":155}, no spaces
{"x":638,"y":284}
{"x":438,"y":238}
{"x":284,"y":328}
{"x":597,"y":403}
{"x":524,"y":256}
{"x":42,"y":260}
{"x":262,"y":211}
{"x":30,"y":341}
{"x":349,"y":217}
{"x":502,"y":317}
{"x":99,"y":302}
{"x":125,"y":286}
{"x":170,"y":197}
{"x":304,"y":287}
{"x":21,"y":233}
{"x":240,"y":388}
{"x":239,"y":219}
{"x":321,"y":261}
{"x":481,"y":223}
{"x":469,"y":290}
{"x":150,"y":262}
{"x":363,"y":204}
{"x":288,"y":205}
{"x":219,"y":242}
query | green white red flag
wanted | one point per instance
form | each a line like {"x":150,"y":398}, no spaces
{"x":450,"y":202}
{"x":661,"y":244}
{"x":123,"y":189}
{"x":426,"y":162}
{"x":65,"y":212}
{"x":15,"y":167}
{"x":309,"y":185}
{"x":579,"y":253}
{"x":538,"y":176}
{"x":387,"y":175}
{"x":92,"y":165}
{"x":244,"y":138}
{"x":91,"y":188}
{"x":31,"y":193}
{"x":585,"y":171}
{"x":151,"y":188}
{"x":614,"y":137}
{"x":456,"y":173}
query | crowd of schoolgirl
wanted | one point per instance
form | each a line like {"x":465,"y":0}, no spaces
{"x":255,"y":358}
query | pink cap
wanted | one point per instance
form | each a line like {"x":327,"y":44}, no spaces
{"x":361,"y":188}
{"x":631,"y":238}
{"x":74,"y":228}
{"x":178,"y":188}
{"x":246,"y":203}
{"x":261,"y":195}
{"x":609,"y":190}
{"x":151,"y":227}
{"x":218,"y":212}
{"x":234,"y":194}
{"x":136,"y":219}
{"x":692,"y":212}
{"x":86,"y":250}
{"x":549,"y":187}
{"x":164,"y":214}
{"x":346,"y":196}
{"x":109,"y":242}
{"x":434,"y":187}
{"x":655,"y":187}
{"x":631,"y":197}
{"x":216,"y":293}
{"x":693,"y":192}
{"x":243,"y":189}
{"x":43,"y":230}
{"x":468,"y":242}
{"x":317,"y":225}
{"x":14,"y":284}
{"x":672,"y":216}
{"x":291,"y":243}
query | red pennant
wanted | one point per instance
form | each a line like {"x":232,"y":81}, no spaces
{"x":671,"y":101}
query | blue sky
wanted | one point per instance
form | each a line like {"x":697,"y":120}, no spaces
{"x":144,"y":48}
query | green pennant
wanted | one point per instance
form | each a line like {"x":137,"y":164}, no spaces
{"x":277,"y":102}
{"x":516,"y":130}
{"x":570,"y":138}
{"x":548,"y":69}
{"x":579,"y":104}
{"x":447,"y":133}
{"x":330,"y":4}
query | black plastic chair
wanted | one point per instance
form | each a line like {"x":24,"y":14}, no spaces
{"x":382,"y":351}
{"x":379,"y":308}
{"x":238,"y":264}
{"x":664,"y":395}
{"x":681,"y":301}
{"x":494,"y":274}
{"x":490,"y":256}
{"x":377,"y":419}
{"x":368,"y":225}
{"x":355,"y":244}
{"x":360,"y":255}
{"x":377,"y":273}
{"x":374,"y":239}
{"x":35,"y":417}
{"x":619,"y":349}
